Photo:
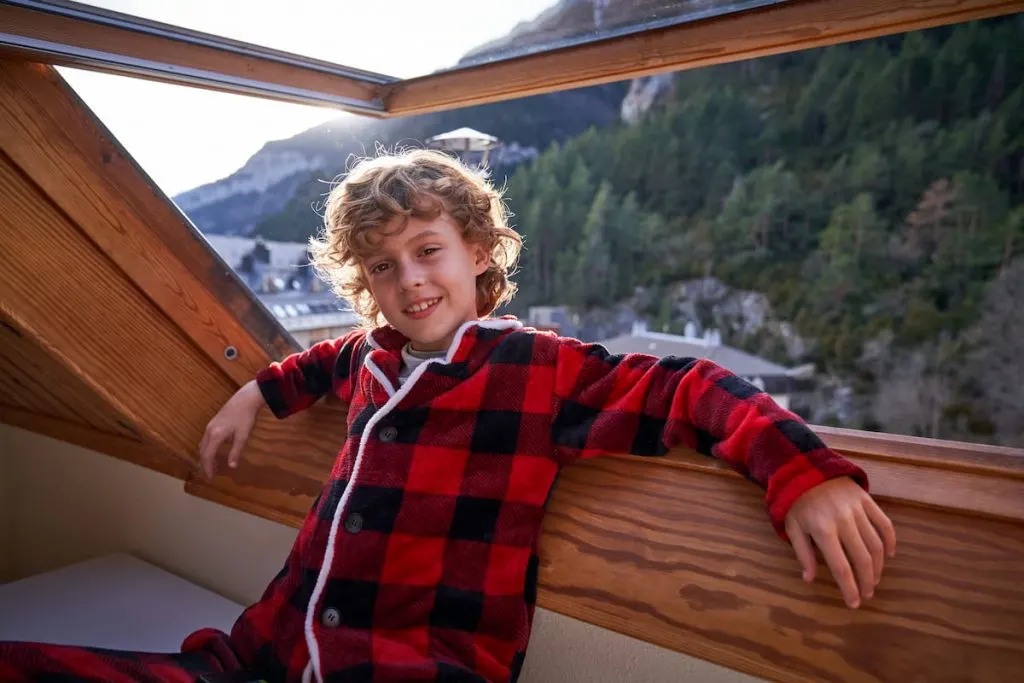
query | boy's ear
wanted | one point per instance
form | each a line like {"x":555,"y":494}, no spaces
{"x":482,"y":259}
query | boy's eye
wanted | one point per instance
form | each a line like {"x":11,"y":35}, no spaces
{"x":430,"y":250}
{"x":379,"y":268}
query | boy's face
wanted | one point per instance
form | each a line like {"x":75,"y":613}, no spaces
{"x":424,"y":280}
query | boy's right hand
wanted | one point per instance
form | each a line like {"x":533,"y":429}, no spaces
{"x":233,"y":422}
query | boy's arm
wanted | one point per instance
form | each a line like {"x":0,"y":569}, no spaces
{"x":644,"y":405}
{"x":300,"y":380}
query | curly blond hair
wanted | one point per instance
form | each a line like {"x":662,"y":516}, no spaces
{"x":416,"y":183}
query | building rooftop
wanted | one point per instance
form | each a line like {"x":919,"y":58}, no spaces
{"x":640,"y":340}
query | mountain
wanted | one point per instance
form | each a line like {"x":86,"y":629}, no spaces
{"x":272,"y":194}
{"x":869,"y":195}
{"x":286,"y":172}
{"x":872,"y":192}
{"x":574,"y":21}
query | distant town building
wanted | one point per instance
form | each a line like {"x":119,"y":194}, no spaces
{"x":311,"y":317}
{"x":280,"y":275}
{"x":556,"y":319}
{"x":471,"y":146}
{"x":267,"y":266}
{"x":776,"y":380}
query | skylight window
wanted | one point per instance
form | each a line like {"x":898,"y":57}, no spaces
{"x":406,"y":38}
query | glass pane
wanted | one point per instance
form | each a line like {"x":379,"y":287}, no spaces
{"x":565,"y":24}
{"x":228,"y":162}
{"x":187,"y":137}
{"x":409,"y":38}
{"x":843,"y":226}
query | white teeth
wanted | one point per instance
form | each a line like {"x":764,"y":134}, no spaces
{"x":422,"y":306}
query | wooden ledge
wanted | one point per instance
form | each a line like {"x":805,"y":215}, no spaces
{"x":678,"y":551}
{"x":956,"y":455}
{"x":675,"y":554}
{"x":961,"y":477}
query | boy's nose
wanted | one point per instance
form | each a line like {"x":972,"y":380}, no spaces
{"x":411,"y":276}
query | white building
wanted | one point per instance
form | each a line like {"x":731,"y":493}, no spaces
{"x":776,"y":380}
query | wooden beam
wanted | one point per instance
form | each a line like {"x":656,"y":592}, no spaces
{"x":284,"y":468}
{"x":685,"y":560}
{"x":785,"y":27}
{"x":108,"y":41}
{"x":88,"y":37}
{"x":54,"y":139}
{"x":89,"y":317}
{"x":31,"y":380}
{"x":964,"y":478}
{"x":677,"y":551}
{"x":124,"y":448}
{"x":86,"y":193}
{"x":63,"y":292}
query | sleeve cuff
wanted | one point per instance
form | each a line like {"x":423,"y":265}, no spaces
{"x":802,"y":474}
{"x":268,"y":382}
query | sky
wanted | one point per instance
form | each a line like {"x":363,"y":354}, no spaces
{"x":184,"y":137}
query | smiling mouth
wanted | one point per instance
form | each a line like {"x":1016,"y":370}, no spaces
{"x":423,"y":308}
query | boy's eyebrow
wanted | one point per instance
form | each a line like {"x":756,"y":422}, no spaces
{"x":425,"y":233}
{"x":381,"y":253}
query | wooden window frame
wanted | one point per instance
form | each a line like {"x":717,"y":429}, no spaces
{"x":71,"y":34}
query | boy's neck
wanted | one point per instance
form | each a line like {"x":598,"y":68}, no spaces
{"x":428,"y":347}
{"x":411,"y":347}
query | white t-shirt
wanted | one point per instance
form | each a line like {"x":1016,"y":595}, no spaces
{"x":413,"y":359}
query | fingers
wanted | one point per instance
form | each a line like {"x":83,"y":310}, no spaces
{"x":803,"y":549}
{"x":859,"y":556}
{"x":238,"y":443}
{"x":202,"y":447}
{"x":209,"y":446}
{"x":873,"y":543}
{"x":883,"y":524}
{"x":852,"y":533}
{"x":835,"y":558}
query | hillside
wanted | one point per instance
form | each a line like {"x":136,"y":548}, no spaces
{"x":285,"y":178}
{"x":574,"y":21}
{"x":873,"y":192}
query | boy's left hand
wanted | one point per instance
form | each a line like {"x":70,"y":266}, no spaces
{"x":851,"y":531}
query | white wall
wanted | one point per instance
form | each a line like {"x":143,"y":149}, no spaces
{"x":6,"y":508}
{"x":72,"y":504}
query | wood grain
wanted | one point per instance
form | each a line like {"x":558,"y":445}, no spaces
{"x":31,"y":380}
{"x":92,"y":185}
{"x":124,"y":448}
{"x":986,"y":483}
{"x":956,"y":455}
{"x":684,"y":557}
{"x":686,"y":560}
{"x":57,"y":287}
{"x":87,"y":316}
{"x":286,"y":465}
{"x":56,"y":142}
{"x":174,"y":52}
{"x":776,"y":29}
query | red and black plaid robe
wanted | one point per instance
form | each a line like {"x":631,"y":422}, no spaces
{"x":418,"y":561}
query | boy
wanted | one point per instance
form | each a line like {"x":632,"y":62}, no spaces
{"x":418,"y":562}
